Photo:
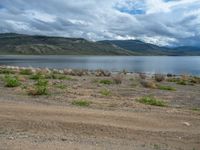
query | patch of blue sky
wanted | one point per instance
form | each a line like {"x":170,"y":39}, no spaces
{"x":1,"y":6}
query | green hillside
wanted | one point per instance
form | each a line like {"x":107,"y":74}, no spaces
{"x":42,"y":45}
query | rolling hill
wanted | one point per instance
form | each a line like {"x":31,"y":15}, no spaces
{"x":11,"y":44}
{"x":142,"y":48}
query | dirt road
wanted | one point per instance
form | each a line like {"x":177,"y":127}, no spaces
{"x":32,"y":126}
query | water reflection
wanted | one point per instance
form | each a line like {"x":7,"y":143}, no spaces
{"x":149,"y":64}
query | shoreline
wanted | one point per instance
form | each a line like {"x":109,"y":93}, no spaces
{"x":89,"y":72}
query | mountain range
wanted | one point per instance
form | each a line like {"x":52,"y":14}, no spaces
{"x":12,"y":43}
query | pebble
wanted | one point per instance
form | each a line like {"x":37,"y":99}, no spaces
{"x":186,"y":124}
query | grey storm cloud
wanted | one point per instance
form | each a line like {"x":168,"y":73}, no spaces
{"x":162,"y":22}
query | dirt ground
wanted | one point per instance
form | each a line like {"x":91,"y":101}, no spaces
{"x":114,"y":121}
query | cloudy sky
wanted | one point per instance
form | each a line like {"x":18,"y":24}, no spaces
{"x":162,"y":22}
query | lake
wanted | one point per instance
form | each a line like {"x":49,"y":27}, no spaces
{"x":148,"y":64}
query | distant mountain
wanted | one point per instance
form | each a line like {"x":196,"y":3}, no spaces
{"x":142,"y":48}
{"x":11,"y":43}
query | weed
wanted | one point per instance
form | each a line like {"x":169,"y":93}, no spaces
{"x":156,"y":146}
{"x":37,"y":76}
{"x":40,"y":88}
{"x":61,"y":86}
{"x":196,"y":109}
{"x":106,"y":81}
{"x":82,"y":103}
{"x":25,"y":72}
{"x":149,"y":100}
{"x":168,"y":88}
{"x":11,"y":81}
{"x":181,"y":82}
{"x":105,"y":92}
{"x":6,"y":71}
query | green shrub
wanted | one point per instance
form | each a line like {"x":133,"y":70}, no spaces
{"x":6,"y":71}
{"x":105,"y":92}
{"x":37,"y":76}
{"x":59,"y":77}
{"x":181,"y":82}
{"x":25,"y":72}
{"x":149,"y":100}
{"x":61,"y":86}
{"x":82,"y":103}
{"x":106,"y":81}
{"x":168,"y":88}
{"x":11,"y":81}
{"x":196,"y":109}
{"x":40,"y":88}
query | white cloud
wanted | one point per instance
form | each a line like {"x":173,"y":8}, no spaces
{"x":157,"y":21}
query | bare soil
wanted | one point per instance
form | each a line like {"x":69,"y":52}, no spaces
{"x":116,"y":121}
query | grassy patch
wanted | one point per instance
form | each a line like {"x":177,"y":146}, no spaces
{"x":168,"y":88}
{"x":6,"y":71}
{"x":149,"y":100}
{"x":11,"y":81}
{"x":106,"y":81}
{"x":181,"y":82}
{"x":40,"y":88}
{"x":105,"y":92}
{"x":82,"y":103}
{"x":61,"y":86}
{"x":59,"y":77}
{"x":37,"y":76}
{"x":196,"y":109}
{"x":25,"y":72}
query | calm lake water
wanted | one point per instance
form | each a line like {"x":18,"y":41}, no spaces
{"x":147,"y":64}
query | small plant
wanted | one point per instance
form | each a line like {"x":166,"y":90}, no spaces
{"x":6,"y":71}
{"x":37,"y":76}
{"x":25,"y":72}
{"x":61,"y":86}
{"x":168,"y":88}
{"x":159,"y":77}
{"x":196,"y":109}
{"x":105,"y":92}
{"x":82,"y":103}
{"x":117,"y":79}
{"x":11,"y":81}
{"x":156,"y":147}
{"x":149,"y":100}
{"x":105,"y":81}
{"x":181,"y":82}
{"x":40,"y":88}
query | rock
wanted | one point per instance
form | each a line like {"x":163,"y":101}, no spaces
{"x":68,"y":71}
{"x":63,"y":139}
{"x":100,"y":73}
{"x":46,"y":70}
{"x":11,"y":138}
{"x":186,"y":124}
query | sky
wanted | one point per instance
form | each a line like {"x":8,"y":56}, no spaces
{"x":160,"y":22}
